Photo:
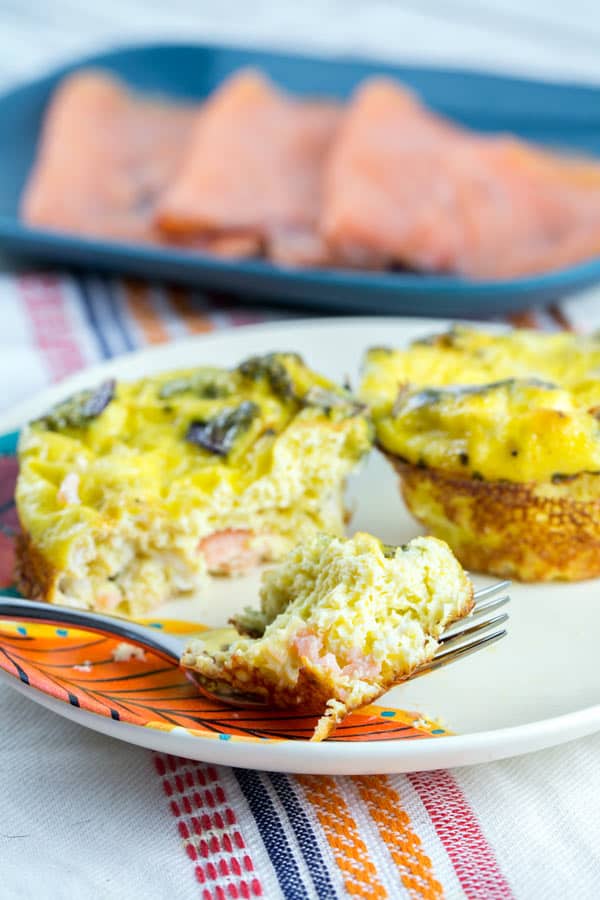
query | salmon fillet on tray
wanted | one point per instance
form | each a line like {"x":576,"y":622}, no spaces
{"x":104,"y":157}
{"x":252,"y":172}
{"x":411,"y":188}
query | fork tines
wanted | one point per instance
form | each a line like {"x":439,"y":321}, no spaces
{"x":483,"y":627}
{"x":485,"y":596}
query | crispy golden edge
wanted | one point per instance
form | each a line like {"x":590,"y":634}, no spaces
{"x":35,"y":578}
{"x":537,"y":531}
{"x":314,"y":692}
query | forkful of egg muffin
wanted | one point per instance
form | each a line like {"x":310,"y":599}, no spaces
{"x":340,"y":622}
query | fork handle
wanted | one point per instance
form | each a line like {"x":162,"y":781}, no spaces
{"x":165,"y":645}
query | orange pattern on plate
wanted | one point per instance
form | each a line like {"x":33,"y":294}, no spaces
{"x":79,"y":668}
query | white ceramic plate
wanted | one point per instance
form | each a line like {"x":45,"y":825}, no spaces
{"x":538,"y":687}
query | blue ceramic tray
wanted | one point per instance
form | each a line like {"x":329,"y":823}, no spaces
{"x":555,"y":114}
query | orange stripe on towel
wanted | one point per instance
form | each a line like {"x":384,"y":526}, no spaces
{"x":190,"y":315}
{"x":139,"y":304}
{"x":349,"y":850}
{"x":395,"y":829}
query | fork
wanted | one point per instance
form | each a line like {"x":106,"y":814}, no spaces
{"x":481,"y":628}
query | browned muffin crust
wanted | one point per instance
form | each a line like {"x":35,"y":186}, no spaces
{"x":34,"y":576}
{"x":539,"y":531}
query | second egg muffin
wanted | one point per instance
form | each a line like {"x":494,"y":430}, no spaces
{"x":496,"y":438}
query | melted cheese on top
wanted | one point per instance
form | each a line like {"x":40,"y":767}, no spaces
{"x":520,"y":406}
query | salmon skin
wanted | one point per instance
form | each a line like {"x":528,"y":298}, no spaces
{"x":253,"y":172}
{"x":104,"y":157}
{"x":405,"y":186}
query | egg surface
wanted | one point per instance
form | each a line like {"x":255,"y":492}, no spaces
{"x":128,"y":493}
{"x":521,"y":406}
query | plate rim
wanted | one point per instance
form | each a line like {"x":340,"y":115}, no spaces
{"x":334,"y":757}
{"x":328,"y":757}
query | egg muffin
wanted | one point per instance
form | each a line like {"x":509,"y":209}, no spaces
{"x":340,"y":622}
{"x":128,"y":493}
{"x":496,"y":438}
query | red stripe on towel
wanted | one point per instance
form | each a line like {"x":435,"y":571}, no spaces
{"x":43,"y":300}
{"x":208,"y":827}
{"x":459,"y":831}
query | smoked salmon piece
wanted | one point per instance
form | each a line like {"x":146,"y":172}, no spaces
{"x":253,"y":170}
{"x":557,"y":205}
{"x":234,"y":551}
{"x":104,"y":157}
{"x":406,"y":186}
